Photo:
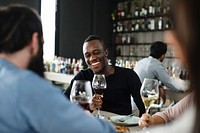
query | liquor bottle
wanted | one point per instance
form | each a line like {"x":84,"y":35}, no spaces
{"x":133,"y":26}
{"x":168,"y":8}
{"x":124,"y":39}
{"x":152,"y":24}
{"x":131,"y":51}
{"x":158,"y":8}
{"x":144,"y":10}
{"x":127,"y":8}
{"x":168,"y":24}
{"x":136,"y":11}
{"x":125,"y":25}
{"x":122,"y":14}
{"x":68,"y":66}
{"x":119,"y":27}
{"x":150,"y":9}
{"x":137,"y":25}
{"x":114,"y":15}
{"x":143,"y":25}
{"x":164,"y":9}
{"x":120,"y":9}
{"x":128,"y":39}
{"x":153,"y":8}
{"x":160,"y":24}
{"x":129,"y":25}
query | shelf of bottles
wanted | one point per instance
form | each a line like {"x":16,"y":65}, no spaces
{"x":136,"y":24}
{"x":63,"y":65}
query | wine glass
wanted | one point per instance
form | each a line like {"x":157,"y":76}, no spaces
{"x":99,"y":85}
{"x":176,"y":71}
{"x":81,"y":93}
{"x":149,"y":92}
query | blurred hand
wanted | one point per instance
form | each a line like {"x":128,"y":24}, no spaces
{"x":146,"y":120}
{"x":96,"y":102}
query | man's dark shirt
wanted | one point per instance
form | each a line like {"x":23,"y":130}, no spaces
{"x":120,"y":86}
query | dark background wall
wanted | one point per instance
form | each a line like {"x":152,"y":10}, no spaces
{"x":77,"y":19}
{"x":32,"y":3}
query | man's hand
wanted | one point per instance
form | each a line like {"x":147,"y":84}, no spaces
{"x":96,"y":102}
{"x":146,"y":120}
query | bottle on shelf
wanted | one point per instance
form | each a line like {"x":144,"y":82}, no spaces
{"x":168,"y":24}
{"x":164,"y":12}
{"x":168,"y":8}
{"x":144,"y":10}
{"x":114,"y":15}
{"x":129,"y":25}
{"x":159,"y":8}
{"x":119,"y":27}
{"x":160,"y":23}
{"x":152,"y":8}
{"x":127,"y":8}
{"x":143,"y":25}
{"x":128,"y":39}
{"x":124,"y":39}
{"x":120,"y":13}
{"x":151,"y":24}
{"x":133,"y":26}
{"x":137,"y":11}
{"x":137,"y":25}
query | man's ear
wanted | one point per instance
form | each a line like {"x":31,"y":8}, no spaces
{"x":163,"y":56}
{"x":106,"y":52}
{"x":34,"y":44}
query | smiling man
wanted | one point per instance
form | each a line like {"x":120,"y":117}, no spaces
{"x":121,"y":82}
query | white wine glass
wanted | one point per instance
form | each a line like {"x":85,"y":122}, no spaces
{"x":149,"y":92}
{"x":81,"y":93}
{"x":99,"y":85}
{"x":176,"y":71}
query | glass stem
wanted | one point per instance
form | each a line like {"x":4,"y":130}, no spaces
{"x":98,"y":112}
{"x":148,"y":108}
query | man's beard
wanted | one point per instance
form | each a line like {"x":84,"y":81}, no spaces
{"x":36,"y":64}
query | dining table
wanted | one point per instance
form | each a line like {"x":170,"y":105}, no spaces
{"x":132,"y":128}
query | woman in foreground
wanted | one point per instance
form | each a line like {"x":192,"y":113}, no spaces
{"x":187,"y":31}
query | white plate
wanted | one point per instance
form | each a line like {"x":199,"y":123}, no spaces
{"x":133,"y":120}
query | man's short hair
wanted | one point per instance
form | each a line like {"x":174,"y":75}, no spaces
{"x":158,"y":49}
{"x":95,"y":37}
{"x":18,"y":23}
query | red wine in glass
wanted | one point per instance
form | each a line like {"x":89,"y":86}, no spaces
{"x":99,"y":85}
{"x":81,"y":93}
{"x":100,"y":91}
{"x":82,"y":101}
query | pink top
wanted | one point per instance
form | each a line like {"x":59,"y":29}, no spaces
{"x":178,"y":109}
